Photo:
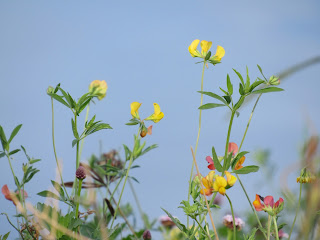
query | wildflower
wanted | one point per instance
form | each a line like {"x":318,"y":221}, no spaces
{"x":146,"y":131}
{"x":306,"y":177}
{"x":231,"y":180}
{"x":282,"y":234}
{"x":205,"y":47}
{"x":176,"y":234}
{"x":98,"y":88}
{"x":12,"y":196}
{"x":233,"y":147}
{"x":220,"y":185}
{"x":157,"y":115}
{"x":228,"y":222}
{"x":208,"y":184}
{"x":239,"y":163}
{"x":81,"y":173}
{"x":134,"y":109}
{"x":211,"y":164}
{"x":268,"y":205}
{"x":146,"y":235}
{"x":166,"y":221}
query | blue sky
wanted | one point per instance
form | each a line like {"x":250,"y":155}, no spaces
{"x":140,"y":49}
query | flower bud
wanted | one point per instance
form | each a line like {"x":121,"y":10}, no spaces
{"x":98,"y":88}
{"x":50,"y":90}
{"x":146,"y":235}
{"x":274,"y":80}
{"x":81,"y":173}
{"x":306,"y":177}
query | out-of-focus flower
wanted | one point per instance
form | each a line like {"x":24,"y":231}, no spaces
{"x":98,"y":88}
{"x":208,"y":184}
{"x":205,"y":47}
{"x":218,"y":200}
{"x":81,"y":173}
{"x":282,"y":234}
{"x":228,"y":222}
{"x":134,"y":109}
{"x":306,"y":177}
{"x":157,"y":115}
{"x":176,"y":234}
{"x":12,"y":196}
{"x":210,"y":162}
{"x":233,"y":147}
{"x":268,"y":205}
{"x":146,"y":235}
{"x":239,"y":163}
{"x":166,"y":221}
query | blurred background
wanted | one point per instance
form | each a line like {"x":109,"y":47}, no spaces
{"x":141,"y":49}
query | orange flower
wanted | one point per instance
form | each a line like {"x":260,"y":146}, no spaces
{"x":257,"y":203}
{"x":12,"y":196}
{"x":239,"y":163}
{"x":208,"y":184}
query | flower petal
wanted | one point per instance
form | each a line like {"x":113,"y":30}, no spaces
{"x":268,"y":201}
{"x":233,"y":147}
{"x":205,"y":46}
{"x":134,"y":109}
{"x":239,"y":163}
{"x":231,"y":180}
{"x":257,"y":203}
{"x":220,"y":53}
{"x":193,"y":48}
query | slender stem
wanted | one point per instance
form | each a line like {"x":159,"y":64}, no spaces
{"x":208,"y":208}
{"x":234,"y":221}
{"x":146,"y":224}
{"x":54,"y":150}
{"x":78,"y":198}
{"x":13,"y":225}
{"x":197,"y":142}
{"x":77,"y":156}
{"x":229,"y":236}
{"x":268,"y":227}
{"x":276,"y":227}
{"x":208,"y":234}
{"x":126,"y":178}
{"x":227,"y":143}
{"x":248,"y":124}
{"x":82,"y":140}
{"x":298,"y":207}
{"x":254,"y":211}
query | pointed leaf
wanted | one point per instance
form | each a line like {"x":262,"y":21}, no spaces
{"x":239,"y":75}
{"x":237,"y":158}
{"x":211,"y":105}
{"x":210,"y":94}
{"x":14,"y":151}
{"x":48,"y":194}
{"x":216,"y":161}
{"x":58,"y":188}
{"x":255,"y":84}
{"x":268,"y":89}
{"x":229,"y":85}
{"x":247,"y":169}
{"x":14,"y":132}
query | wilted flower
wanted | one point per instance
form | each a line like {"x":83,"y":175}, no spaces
{"x":98,"y":88}
{"x":146,"y":235}
{"x":157,"y":115}
{"x":228,"y":222}
{"x":81,"y":173}
{"x":268,"y":205}
{"x":205,"y":54}
{"x":12,"y":196}
{"x":166,"y":221}
{"x":306,"y":177}
{"x":144,"y":131}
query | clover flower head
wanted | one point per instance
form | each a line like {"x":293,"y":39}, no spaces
{"x":283,"y":234}
{"x":81,"y":173}
{"x":228,"y":222}
{"x":166,"y":221}
{"x":146,"y":235}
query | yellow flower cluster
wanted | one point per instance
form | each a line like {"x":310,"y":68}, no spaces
{"x":213,"y":183}
{"x":205,"y":47}
{"x":155,"y":117}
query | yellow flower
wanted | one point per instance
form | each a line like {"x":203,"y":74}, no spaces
{"x":157,"y":115}
{"x":205,"y":46}
{"x":193,"y":48}
{"x":134,"y":109}
{"x":220,"y":184}
{"x":219,"y":53}
{"x":231,"y":180}
{"x":98,"y":88}
{"x":208,"y":184}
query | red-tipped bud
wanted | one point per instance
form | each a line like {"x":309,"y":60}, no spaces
{"x":81,"y":173}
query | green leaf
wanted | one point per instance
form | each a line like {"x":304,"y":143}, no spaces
{"x":228,"y":99}
{"x":177,"y":222}
{"x":14,"y":132}
{"x":59,"y":99}
{"x":211,"y":105}
{"x":239,"y":103}
{"x":14,"y":151}
{"x":237,"y":158}
{"x":16,"y":181}
{"x":25,"y":152}
{"x":74,"y":129}
{"x":260,"y":69}
{"x":97,"y":127}
{"x":67,"y":97}
{"x":247,"y":80}
{"x":34,"y":161}
{"x":216,"y":161}
{"x":3,"y":139}
{"x":74,"y":142}
{"x":224,"y":91}
{"x":247,"y":169}
{"x":90,"y":122}
{"x":58,"y":188}
{"x":268,"y":89}
{"x":48,"y":194}
{"x":255,"y":84}
{"x":227,"y":162}
{"x":229,"y":85}
{"x":239,"y":75}
{"x":84,"y":105}
{"x":2,"y":154}
{"x":208,"y":56}
{"x":241,"y":90}
{"x":213,"y":95}
{"x":153,"y":146}
{"x":5,"y":236}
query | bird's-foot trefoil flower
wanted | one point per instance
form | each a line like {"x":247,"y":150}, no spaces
{"x":157,"y":115}
{"x":268,"y":205}
{"x":12,"y":196}
{"x":205,"y":54}
{"x":210,"y":162}
{"x":239,"y":163}
{"x":306,"y":176}
{"x":98,"y":88}
{"x":233,"y":148}
{"x":221,"y":184}
{"x":208,"y":184}
{"x":134,"y":109}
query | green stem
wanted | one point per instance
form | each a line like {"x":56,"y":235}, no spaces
{"x":248,"y":124}
{"x":227,"y":143}
{"x":254,"y":211}
{"x":13,"y":225}
{"x":234,"y":221}
{"x":78,"y":198}
{"x":298,"y":207}
{"x":268,"y":227}
{"x":197,"y":142}
{"x":203,"y":229}
{"x":54,"y":150}
{"x":229,"y":236}
{"x":77,"y":156}
{"x":125,"y":180}
{"x":82,"y":140}
{"x":276,"y":227}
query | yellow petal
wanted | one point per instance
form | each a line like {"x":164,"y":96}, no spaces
{"x":193,"y":48}
{"x":205,"y":46}
{"x":98,"y":88}
{"x":222,"y":190}
{"x":219,"y":53}
{"x":231,"y":180}
{"x":156,"y":108}
{"x":219,"y":182}
{"x":134,"y":109}
{"x":157,"y":118}
{"x":210,"y":176}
